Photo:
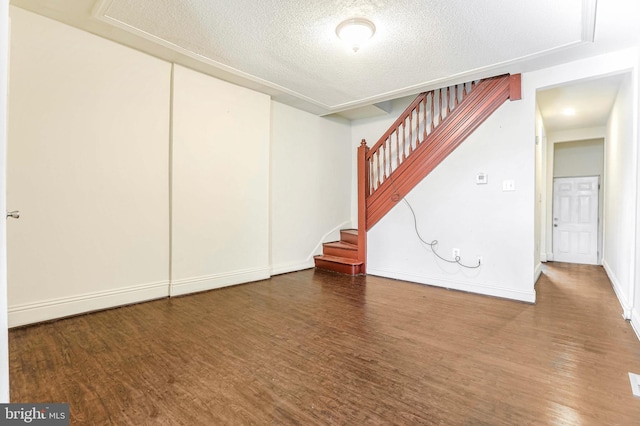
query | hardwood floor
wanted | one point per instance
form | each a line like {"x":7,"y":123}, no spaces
{"x":317,"y":348}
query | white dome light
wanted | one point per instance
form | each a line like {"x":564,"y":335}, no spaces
{"x":355,"y":32}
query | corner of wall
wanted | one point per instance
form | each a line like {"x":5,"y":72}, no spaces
{"x":4,"y":338}
{"x":308,"y":262}
{"x":219,"y":280}
{"x":635,"y":322}
{"x":617,"y":288}
{"x":537,"y":272}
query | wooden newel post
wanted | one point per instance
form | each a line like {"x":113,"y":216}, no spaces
{"x":363,"y":190}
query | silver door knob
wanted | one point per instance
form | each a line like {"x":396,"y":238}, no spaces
{"x":14,"y":214}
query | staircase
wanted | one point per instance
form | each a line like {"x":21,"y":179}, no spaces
{"x":341,"y":256}
{"x":431,"y":127}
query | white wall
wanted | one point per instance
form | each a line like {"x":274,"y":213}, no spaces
{"x":4,"y":59}
{"x":220,"y":175}
{"x":310,"y":185}
{"x":620,"y":202}
{"x":480,"y":220}
{"x":579,"y":158}
{"x":87,"y":166}
{"x":127,"y":191}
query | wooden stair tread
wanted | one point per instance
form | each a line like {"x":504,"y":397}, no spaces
{"x":342,"y":245}
{"x":336,"y":259}
{"x":342,"y":265}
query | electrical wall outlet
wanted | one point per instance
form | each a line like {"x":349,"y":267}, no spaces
{"x":456,"y":253}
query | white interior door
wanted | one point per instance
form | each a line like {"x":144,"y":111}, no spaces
{"x":575,"y":219}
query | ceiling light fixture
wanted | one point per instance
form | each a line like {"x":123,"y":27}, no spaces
{"x":569,"y":112}
{"x":355,"y":32}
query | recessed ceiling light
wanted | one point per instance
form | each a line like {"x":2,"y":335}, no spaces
{"x":355,"y":32}
{"x":569,"y":112}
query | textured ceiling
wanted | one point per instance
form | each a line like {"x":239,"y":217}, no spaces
{"x":292,"y":44}
{"x":289,"y":50}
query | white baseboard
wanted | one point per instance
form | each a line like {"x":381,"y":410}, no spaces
{"x":617,"y":288}
{"x":211,"y":282}
{"x":285,"y":268}
{"x":46,"y":310}
{"x":635,"y":322}
{"x":483,"y":289}
{"x":544,"y":257}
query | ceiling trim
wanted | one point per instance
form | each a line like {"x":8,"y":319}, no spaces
{"x":474,"y":74}
{"x":102,"y":6}
{"x":589,"y":9}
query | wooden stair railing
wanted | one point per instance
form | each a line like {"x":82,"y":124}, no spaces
{"x":431,"y":127}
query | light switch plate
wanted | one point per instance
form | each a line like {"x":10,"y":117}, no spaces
{"x":509,"y":185}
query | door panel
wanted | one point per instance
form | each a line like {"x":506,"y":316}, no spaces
{"x":575,"y":220}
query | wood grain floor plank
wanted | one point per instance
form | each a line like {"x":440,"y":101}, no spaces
{"x":318,"y":348}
